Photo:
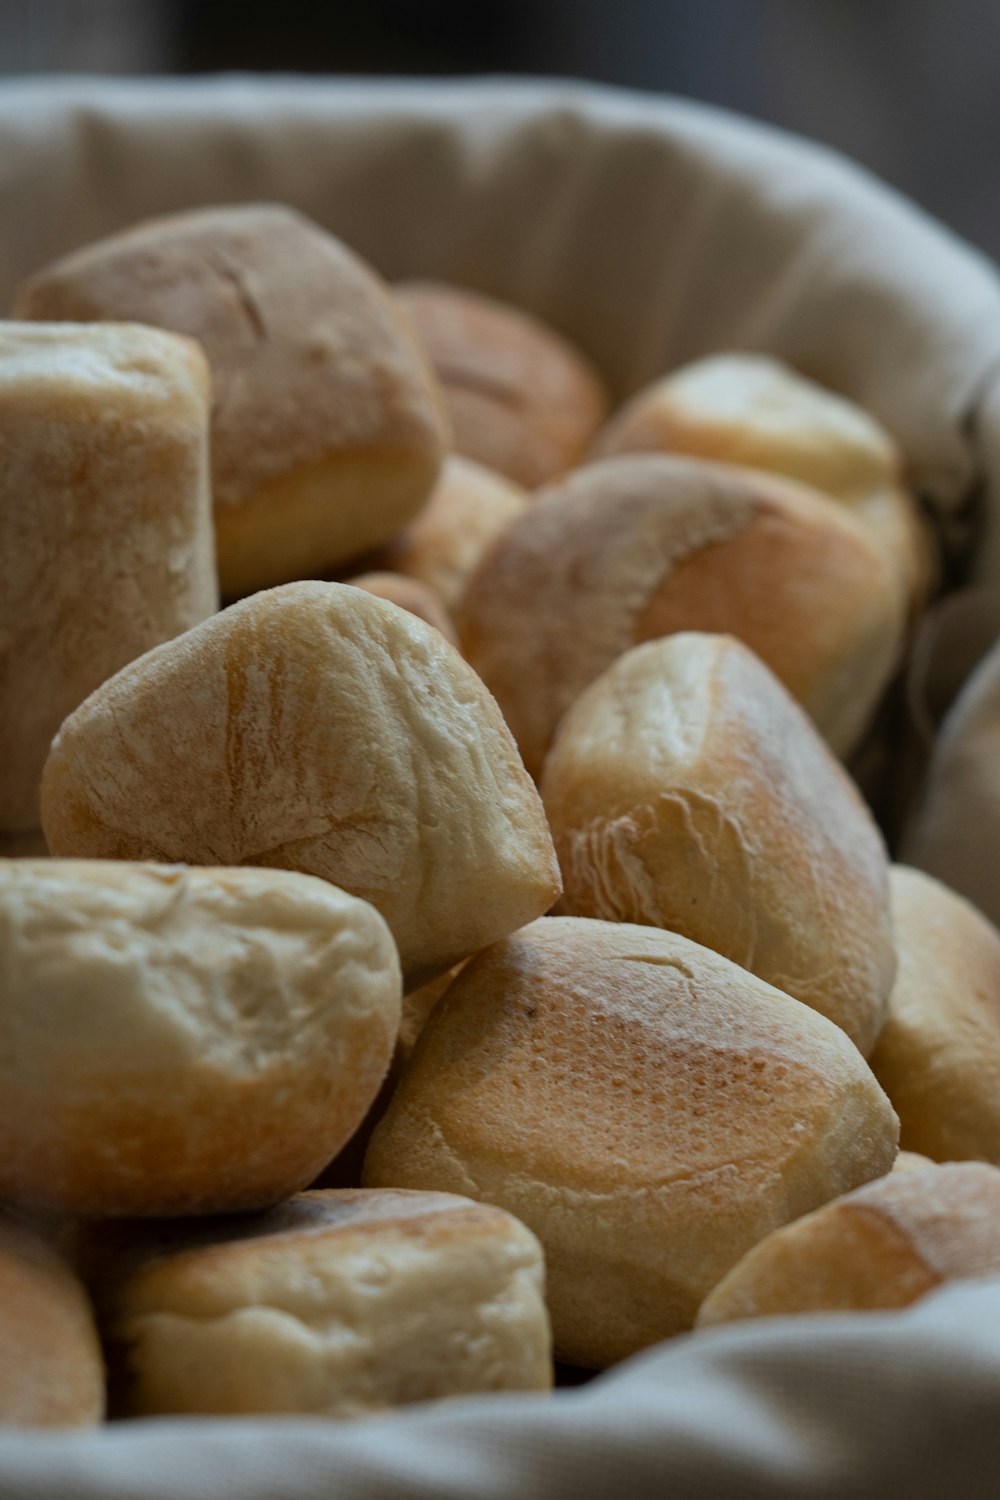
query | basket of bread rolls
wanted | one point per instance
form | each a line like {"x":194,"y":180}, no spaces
{"x":499,"y":991}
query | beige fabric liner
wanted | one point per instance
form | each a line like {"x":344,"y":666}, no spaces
{"x":652,"y":232}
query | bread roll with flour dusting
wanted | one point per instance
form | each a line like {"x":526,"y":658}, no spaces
{"x":327,"y":431}
{"x":178,"y":1041}
{"x":315,"y":727}
{"x":105,"y":522}
{"x":686,"y":790}
{"x":339,"y":1303}
{"x":634,"y":548}
{"x":754,"y":410}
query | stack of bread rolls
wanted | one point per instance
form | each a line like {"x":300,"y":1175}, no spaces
{"x":468,"y":945}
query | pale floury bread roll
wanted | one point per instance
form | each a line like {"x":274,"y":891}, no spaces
{"x":105,"y":522}
{"x":51,"y":1366}
{"x":315,"y":727}
{"x":938,"y":1057}
{"x":178,"y":1041}
{"x":327,"y":430}
{"x":886,"y":1245}
{"x":637,"y":547}
{"x":646,"y":1107}
{"x":911,"y":1161}
{"x":521,"y":399}
{"x":337,"y":1303}
{"x":468,"y":509}
{"x":751,"y":409}
{"x":409,"y":594}
{"x":685,"y":789}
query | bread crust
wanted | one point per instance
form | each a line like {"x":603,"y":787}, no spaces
{"x":631,"y":548}
{"x":938,"y":1057}
{"x":521,"y":399}
{"x":327,"y":430}
{"x":686,"y":790}
{"x":106,"y":542}
{"x":51,"y":1366}
{"x":343,"y":1303}
{"x":315,"y":727}
{"x":468,"y":509}
{"x":756,"y":411}
{"x":180,"y":1040}
{"x":646,"y":1107}
{"x":886,"y":1245}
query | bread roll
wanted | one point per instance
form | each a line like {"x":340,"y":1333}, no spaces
{"x":886,"y":1245}
{"x":646,"y":1107}
{"x":316,"y":728}
{"x":468,"y":509}
{"x":179,"y":1041}
{"x":938,"y":1057}
{"x":51,"y":1368}
{"x":749,"y":409}
{"x":686,"y":790}
{"x":336,"y":1303}
{"x":327,"y":431}
{"x":408,"y":594}
{"x":520,"y":398}
{"x":911,"y":1161}
{"x":638,"y":547}
{"x":105,"y":523}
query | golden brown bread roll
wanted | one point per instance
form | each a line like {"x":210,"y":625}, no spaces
{"x":409,"y":594}
{"x":646,"y":1107}
{"x":340,"y":1303}
{"x":51,"y":1367}
{"x":885,"y":1245}
{"x":316,"y":728}
{"x":181,"y":1041}
{"x":938,"y":1057}
{"x":327,"y":431}
{"x":105,"y":522}
{"x":642,"y":546}
{"x":686,"y":790}
{"x":468,"y":509}
{"x":754,"y":410}
{"x":520,"y":398}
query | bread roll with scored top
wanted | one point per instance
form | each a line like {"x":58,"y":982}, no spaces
{"x":468,"y":509}
{"x":51,"y":1367}
{"x":336,"y":1303}
{"x":754,"y":410}
{"x":105,"y":522}
{"x":178,"y":1041}
{"x":685,"y":789}
{"x":327,"y":431}
{"x":649,"y":1109}
{"x":938,"y":1057}
{"x":520,"y":398}
{"x":886,"y":1245}
{"x":315,"y":727}
{"x":638,"y":547}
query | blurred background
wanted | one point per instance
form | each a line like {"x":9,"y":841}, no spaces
{"x":908,"y":87}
